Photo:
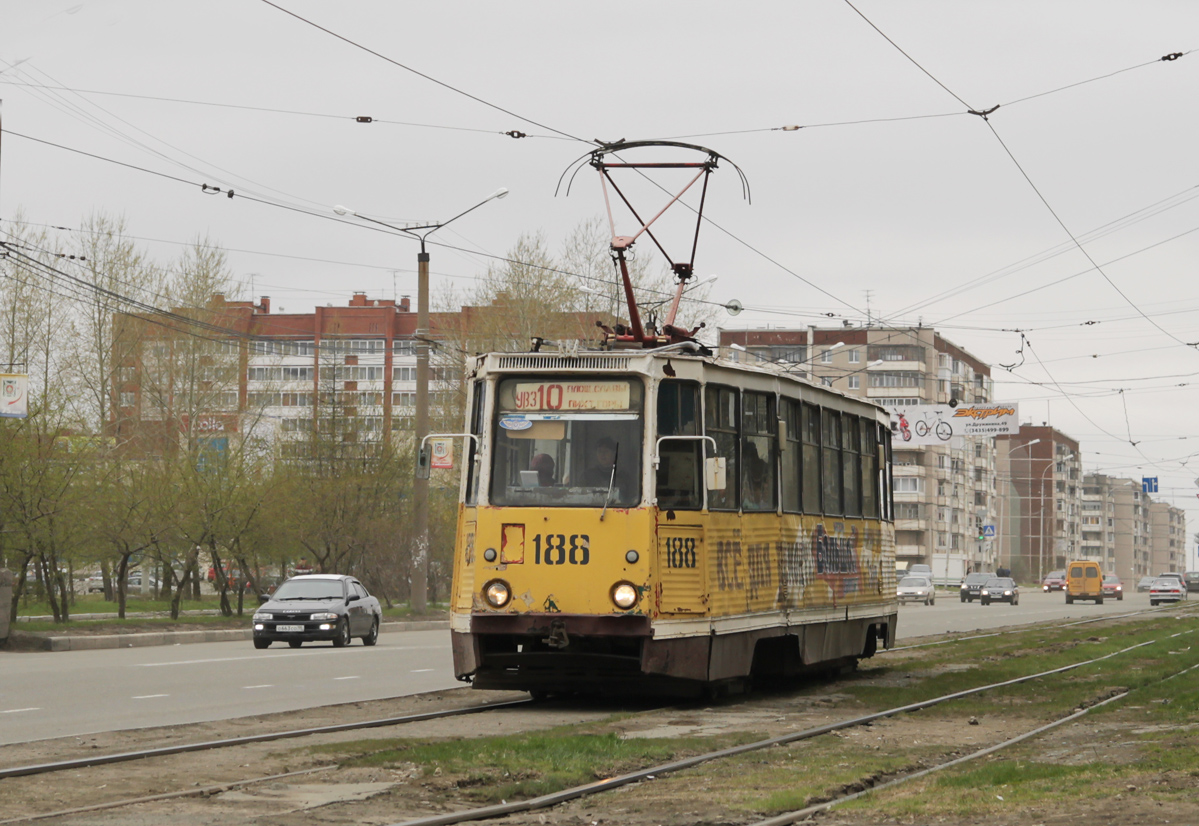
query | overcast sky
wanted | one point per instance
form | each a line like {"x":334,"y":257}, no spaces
{"x":890,"y":197}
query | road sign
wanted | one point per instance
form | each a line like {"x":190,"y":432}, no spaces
{"x":989,"y":531}
{"x":1149,"y":484}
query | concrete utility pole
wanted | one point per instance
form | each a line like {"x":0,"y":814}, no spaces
{"x":419,"y":572}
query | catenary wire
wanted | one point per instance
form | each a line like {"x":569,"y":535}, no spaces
{"x":429,"y":78}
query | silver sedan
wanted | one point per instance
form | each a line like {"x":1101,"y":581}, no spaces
{"x":916,"y":589}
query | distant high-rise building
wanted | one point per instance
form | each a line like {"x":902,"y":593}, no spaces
{"x":944,"y":495}
{"x":1039,"y":478}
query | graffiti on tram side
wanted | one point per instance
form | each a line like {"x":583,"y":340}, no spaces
{"x":821,"y":565}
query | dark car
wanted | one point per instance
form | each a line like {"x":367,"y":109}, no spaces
{"x":1112,"y":586}
{"x":999,"y":589}
{"x":1054,"y":581}
{"x":973,"y":584}
{"x":1191,"y":578}
{"x":318,"y":607}
{"x":1145,"y":583}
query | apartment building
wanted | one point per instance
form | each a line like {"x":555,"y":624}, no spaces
{"x":1040,"y":473}
{"x":235,"y":369}
{"x":1167,"y":539}
{"x":1099,"y":524}
{"x":944,"y":495}
{"x":1127,"y":542}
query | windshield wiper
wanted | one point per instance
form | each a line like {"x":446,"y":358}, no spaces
{"x":611,"y":481}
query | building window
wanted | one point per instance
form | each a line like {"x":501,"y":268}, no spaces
{"x":826,"y":357}
{"x":128,"y":400}
{"x":855,"y":356}
{"x":855,"y":382}
{"x":898,"y":379}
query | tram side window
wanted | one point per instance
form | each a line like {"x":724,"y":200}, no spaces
{"x":851,"y":466}
{"x":472,"y":445}
{"x":792,"y":456}
{"x":680,"y":472}
{"x":720,"y":422}
{"x":811,"y":459}
{"x":870,"y":486}
{"x":758,"y":449}
{"x":830,"y":464}
{"x":886,"y":486}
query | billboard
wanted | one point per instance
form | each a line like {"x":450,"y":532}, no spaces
{"x":936,"y":424}
{"x":14,"y":395}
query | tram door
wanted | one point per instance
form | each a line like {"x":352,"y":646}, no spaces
{"x":681,"y":566}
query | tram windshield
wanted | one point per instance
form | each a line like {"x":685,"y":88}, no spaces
{"x":568,"y":442}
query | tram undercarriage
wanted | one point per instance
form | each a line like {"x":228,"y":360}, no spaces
{"x":548,"y":653}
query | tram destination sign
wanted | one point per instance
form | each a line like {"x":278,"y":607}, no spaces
{"x":572,"y":395}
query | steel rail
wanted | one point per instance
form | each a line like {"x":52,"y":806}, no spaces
{"x":195,"y":792}
{"x":801,"y":814}
{"x":553,"y":799}
{"x":182,"y":748}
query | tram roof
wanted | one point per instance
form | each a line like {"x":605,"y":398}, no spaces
{"x":683,"y":365}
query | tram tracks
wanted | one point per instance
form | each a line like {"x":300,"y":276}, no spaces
{"x":652,"y":772}
{"x":536,"y":804}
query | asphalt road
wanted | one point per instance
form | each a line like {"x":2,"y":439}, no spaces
{"x":950,"y":614}
{"x":67,"y":693}
{"x":44,"y":695}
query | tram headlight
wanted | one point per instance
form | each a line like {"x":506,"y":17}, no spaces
{"x":631,"y":557}
{"x":497,"y":593}
{"x":625,"y":595}
{"x":489,"y":554}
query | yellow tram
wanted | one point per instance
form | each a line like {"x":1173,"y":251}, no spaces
{"x":664,"y":519}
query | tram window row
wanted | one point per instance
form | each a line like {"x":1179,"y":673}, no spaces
{"x":820,"y":461}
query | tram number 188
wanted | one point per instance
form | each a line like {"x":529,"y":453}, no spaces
{"x":680,"y":552}
{"x":558,"y":549}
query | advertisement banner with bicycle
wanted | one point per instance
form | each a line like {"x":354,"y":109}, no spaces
{"x":936,"y":424}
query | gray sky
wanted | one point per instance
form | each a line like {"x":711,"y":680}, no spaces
{"x":938,"y":215}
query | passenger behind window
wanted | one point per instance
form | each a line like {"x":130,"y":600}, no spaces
{"x":543,"y":463}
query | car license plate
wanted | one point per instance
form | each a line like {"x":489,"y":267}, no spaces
{"x":286,"y":628}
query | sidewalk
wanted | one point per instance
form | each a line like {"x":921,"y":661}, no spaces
{"x":89,"y":642}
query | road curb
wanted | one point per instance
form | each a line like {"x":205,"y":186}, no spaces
{"x":92,"y":642}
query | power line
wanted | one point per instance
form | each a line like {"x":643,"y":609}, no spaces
{"x":364,"y":119}
{"x":429,"y":78}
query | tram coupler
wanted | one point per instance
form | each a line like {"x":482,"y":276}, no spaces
{"x":558,"y":637}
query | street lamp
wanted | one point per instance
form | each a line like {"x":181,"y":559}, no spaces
{"x":1041,"y":539}
{"x":1011,"y":483}
{"x":420,"y":490}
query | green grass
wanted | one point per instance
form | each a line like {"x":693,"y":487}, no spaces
{"x":490,"y":769}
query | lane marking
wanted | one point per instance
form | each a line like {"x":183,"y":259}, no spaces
{"x":18,"y":710}
{"x":345,"y":678}
{"x":258,"y":686}
{"x":420,"y":670}
{"x":149,"y":696}
{"x":312,"y":653}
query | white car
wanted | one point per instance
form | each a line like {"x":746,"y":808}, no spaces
{"x":1166,"y":589}
{"x":916,"y":589}
{"x":1174,"y":575}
